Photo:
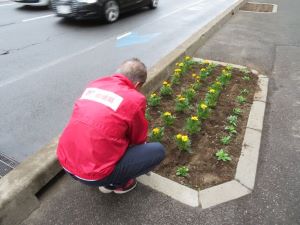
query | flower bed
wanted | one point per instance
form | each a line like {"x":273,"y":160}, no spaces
{"x":200,"y":115}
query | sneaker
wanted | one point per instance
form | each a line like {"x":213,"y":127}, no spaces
{"x":105,"y":190}
{"x":131,"y":184}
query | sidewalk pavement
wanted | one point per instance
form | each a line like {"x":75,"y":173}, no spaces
{"x":269,"y":43}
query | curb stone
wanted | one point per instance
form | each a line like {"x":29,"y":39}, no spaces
{"x":18,"y":188}
{"x":244,"y":180}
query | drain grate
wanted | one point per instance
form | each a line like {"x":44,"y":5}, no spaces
{"x":6,"y":164}
{"x":259,"y":7}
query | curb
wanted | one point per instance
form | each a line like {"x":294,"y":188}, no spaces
{"x":244,"y":180}
{"x":19,"y":187}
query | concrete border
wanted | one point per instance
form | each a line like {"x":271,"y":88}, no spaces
{"x":244,"y":180}
{"x":19,"y":187}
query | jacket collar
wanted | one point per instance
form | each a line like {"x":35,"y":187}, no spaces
{"x":124,"y":79}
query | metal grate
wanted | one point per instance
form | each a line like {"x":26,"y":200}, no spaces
{"x":6,"y":164}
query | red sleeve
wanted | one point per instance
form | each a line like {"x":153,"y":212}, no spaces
{"x":139,"y":126}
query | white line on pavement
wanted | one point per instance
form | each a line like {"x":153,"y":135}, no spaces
{"x":124,"y":35}
{"x":38,"y":18}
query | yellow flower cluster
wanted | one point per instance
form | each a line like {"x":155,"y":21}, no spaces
{"x":167,"y":114}
{"x":181,"y":99}
{"x":187,"y":58}
{"x":177,"y":70}
{"x":153,"y":95}
{"x":166,"y":84}
{"x":206,"y":62}
{"x":203,"y":70}
{"x":181,"y":64}
{"x":211,"y":90}
{"x":218,"y":83}
{"x":183,"y":138}
{"x":203,"y":106}
{"x":156,"y":130}
{"x":195,"y":118}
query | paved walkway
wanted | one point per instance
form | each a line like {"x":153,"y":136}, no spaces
{"x":269,"y":43}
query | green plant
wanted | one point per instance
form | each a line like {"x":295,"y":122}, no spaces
{"x":168,"y":118}
{"x":246,"y":78}
{"x":183,"y":142}
{"x":231,"y":129}
{"x":203,"y":73}
{"x":157,"y":134}
{"x":189,"y":94}
{"x":175,"y":78}
{"x":241,"y":99}
{"x":225,"y":140}
{"x":232,"y":120}
{"x":203,"y":111}
{"x":166,"y":89}
{"x":182,"y":171}
{"x":245,"y":71}
{"x":181,"y":104}
{"x":193,"y":125}
{"x":229,"y":68}
{"x":223,"y":155}
{"x":196,"y":85}
{"x":237,"y":111}
{"x":147,"y":114}
{"x":211,"y":97}
{"x":244,"y":92}
{"x":154,"y":100}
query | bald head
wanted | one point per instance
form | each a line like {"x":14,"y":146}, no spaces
{"x":134,"y":70}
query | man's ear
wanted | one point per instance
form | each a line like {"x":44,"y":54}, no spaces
{"x":138,"y":85}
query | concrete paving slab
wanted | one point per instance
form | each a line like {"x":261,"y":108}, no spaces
{"x":256,"y":116}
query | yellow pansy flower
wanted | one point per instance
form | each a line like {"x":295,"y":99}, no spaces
{"x":177,"y":70}
{"x":165,"y":83}
{"x":185,"y":138}
{"x":218,"y":83}
{"x":211,"y":90}
{"x":187,"y":58}
{"x":203,"y":70}
{"x":181,"y":64}
{"x":195,"y":118}
{"x":167,"y":114}
{"x":178,"y":136}
{"x":156,"y":130}
{"x":203,"y":106}
{"x":153,"y":95}
{"x":194,"y":75}
{"x":181,"y":99}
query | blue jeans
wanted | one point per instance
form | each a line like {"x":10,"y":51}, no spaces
{"x":137,"y":160}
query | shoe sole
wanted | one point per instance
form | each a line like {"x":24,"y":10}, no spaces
{"x":105,"y":190}
{"x":123,"y":192}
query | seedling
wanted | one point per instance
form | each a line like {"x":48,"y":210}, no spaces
{"x":231,"y":129}
{"x":237,"y":111}
{"x":183,"y":142}
{"x":181,"y":104}
{"x":204,"y":73}
{"x":211,"y":97}
{"x":193,"y":125}
{"x":168,"y":118}
{"x":245,"y":71}
{"x":225,"y":140}
{"x":244,"y":92}
{"x":189,"y":94}
{"x":241,"y":99}
{"x":232,"y":120}
{"x":223,"y":155}
{"x":166,"y":89}
{"x":154,"y":100}
{"x":246,"y":78}
{"x":203,"y":111}
{"x":197,"y":85}
{"x":157,"y":134}
{"x":182,"y":171}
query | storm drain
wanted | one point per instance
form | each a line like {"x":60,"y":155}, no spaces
{"x":259,"y":7}
{"x":6,"y":164}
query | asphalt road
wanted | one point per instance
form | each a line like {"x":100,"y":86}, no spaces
{"x":46,"y":62}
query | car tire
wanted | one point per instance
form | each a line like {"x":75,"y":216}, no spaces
{"x":111,"y":11}
{"x":153,"y":4}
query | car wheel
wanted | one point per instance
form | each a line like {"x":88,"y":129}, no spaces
{"x":153,"y":4}
{"x":111,"y":11}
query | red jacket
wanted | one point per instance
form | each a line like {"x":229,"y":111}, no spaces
{"x":107,"y":118}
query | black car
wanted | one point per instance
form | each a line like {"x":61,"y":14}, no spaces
{"x":91,"y":9}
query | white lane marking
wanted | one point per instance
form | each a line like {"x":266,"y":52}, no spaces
{"x":38,"y":18}
{"x":7,"y":4}
{"x":124,"y":35}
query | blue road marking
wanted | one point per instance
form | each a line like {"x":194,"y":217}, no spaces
{"x":134,"y":39}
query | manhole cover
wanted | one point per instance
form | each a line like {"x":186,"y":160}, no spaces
{"x":6,"y":164}
{"x":259,"y":7}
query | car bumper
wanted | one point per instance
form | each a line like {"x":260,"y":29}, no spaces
{"x":33,"y":2}
{"x":78,"y":10}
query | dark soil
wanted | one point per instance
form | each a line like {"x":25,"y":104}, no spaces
{"x":204,"y":168}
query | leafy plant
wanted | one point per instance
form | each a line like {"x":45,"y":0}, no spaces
{"x":181,"y":104}
{"x":203,"y":73}
{"x":237,"y":111}
{"x":203,"y":111}
{"x":193,"y":125}
{"x":211,"y":97}
{"x":154,"y":100}
{"x":189,"y":94}
{"x":168,"y":118}
{"x":223,"y":155}
{"x":147,"y":114}
{"x":231,"y":129}
{"x":196,"y":85}
{"x":246,"y":78}
{"x":182,"y":171}
{"x":225,"y":140}
{"x":175,"y":78}
{"x":245,"y":71}
{"x":244,"y":92}
{"x":229,"y":68}
{"x":232,"y":120}
{"x":241,"y":99}
{"x":157,"y":134}
{"x":183,"y":142}
{"x":166,"y":89}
